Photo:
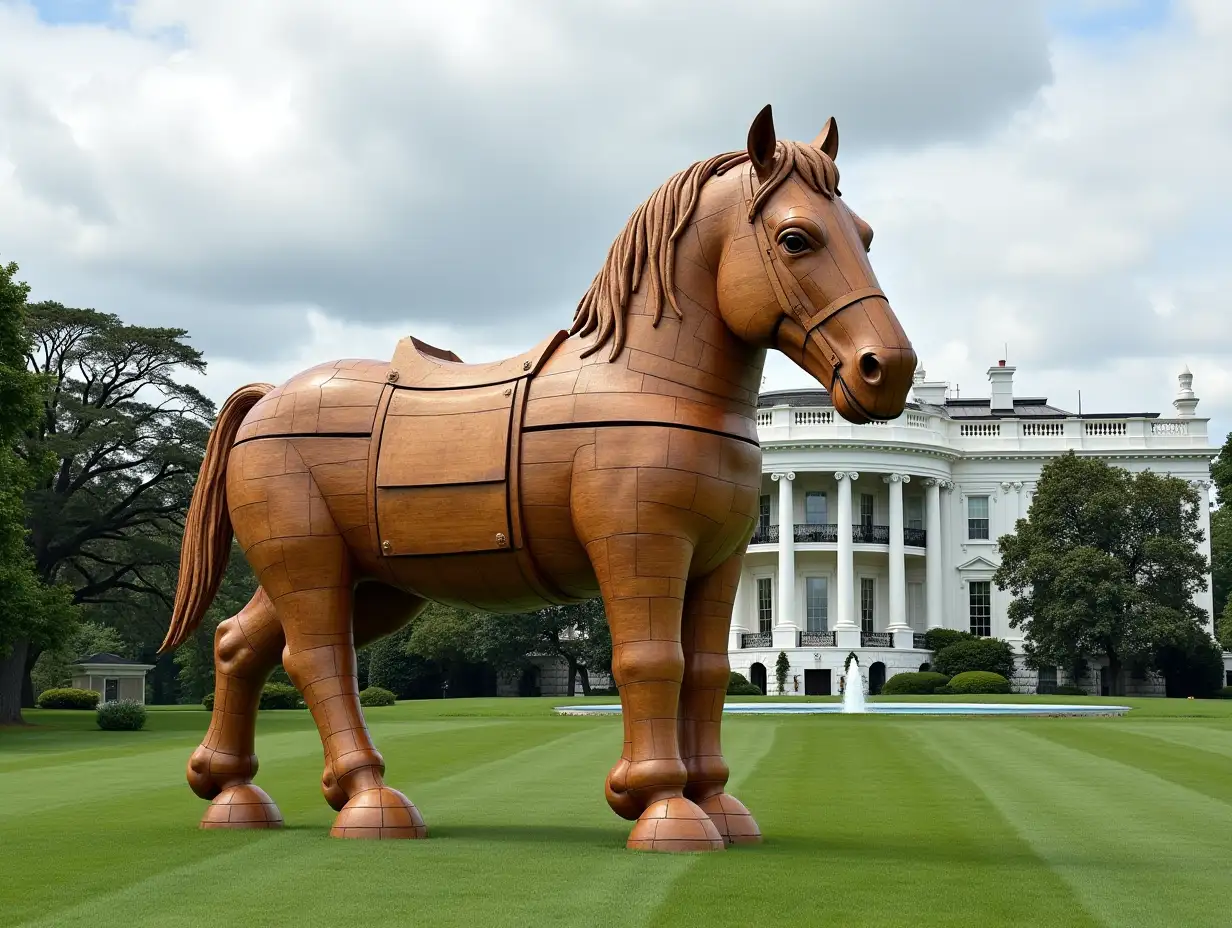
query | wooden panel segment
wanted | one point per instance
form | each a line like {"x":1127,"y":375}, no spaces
{"x":442,"y":519}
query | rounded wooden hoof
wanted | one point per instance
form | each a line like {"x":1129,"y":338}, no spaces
{"x":243,"y":806}
{"x":733,"y":821}
{"x":382,"y":812}
{"x":621,"y":802}
{"x":674,"y":825}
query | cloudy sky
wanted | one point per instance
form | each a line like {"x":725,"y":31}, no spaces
{"x":299,"y":180}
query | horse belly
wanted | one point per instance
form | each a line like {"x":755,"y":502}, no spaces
{"x":487,"y":581}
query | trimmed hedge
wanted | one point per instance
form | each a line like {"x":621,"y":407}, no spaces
{"x":67,"y":698}
{"x":1225,"y":693}
{"x":376,"y":696}
{"x":924,"y":683}
{"x":988,"y":654}
{"x":1068,"y":690}
{"x":739,"y":685}
{"x":121,"y":715}
{"x":977,"y":682}
{"x":208,"y":702}
{"x":280,"y":696}
{"x":937,"y":638}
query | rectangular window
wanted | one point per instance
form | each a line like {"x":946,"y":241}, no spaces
{"x":815,"y":510}
{"x":981,"y":607}
{"x":765,"y":605}
{"x":763,"y":516}
{"x":915,"y":606}
{"x":816,"y":604}
{"x":868,"y":603}
{"x":977,"y":517}
{"x":866,"y":510}
{"x":1047,"y":681}
{"x":914,"y":507}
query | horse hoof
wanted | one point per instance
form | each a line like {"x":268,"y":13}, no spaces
{"x":243,"y":806}
{"x":734,"y":822}
{"x":674,"y":825}
{"x":381,"y":812}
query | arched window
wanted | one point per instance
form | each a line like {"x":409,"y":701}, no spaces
{"x":876,"y":678}
{"x":757,"y":676}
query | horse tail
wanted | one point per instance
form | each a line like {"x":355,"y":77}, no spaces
{"x":207,"y":533}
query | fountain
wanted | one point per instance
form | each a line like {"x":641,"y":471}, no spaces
{"x":853,"y":688}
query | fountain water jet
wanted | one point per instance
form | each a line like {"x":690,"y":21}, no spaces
{"x":853,"y":688}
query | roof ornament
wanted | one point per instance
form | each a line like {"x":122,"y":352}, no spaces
{"x":1185,"y":403}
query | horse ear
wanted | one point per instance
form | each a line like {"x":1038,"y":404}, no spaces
{"x":762,"y":143}
{"x":827,"y":139}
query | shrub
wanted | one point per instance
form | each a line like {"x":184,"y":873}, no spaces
{"x":280,"y":696}
{"x":937,"y":638}
{"x":738,"y":685}
{"x":376,"y":696}
{"x":208,"y":702}
{"x":914,"y":684}
{"x":1069,"y":690}
{"x":1225,"y":693}
{"x":121,"y":715}
{"x":67,"y":698}
{"x":978,"y":681}
{"x":988,"y":654}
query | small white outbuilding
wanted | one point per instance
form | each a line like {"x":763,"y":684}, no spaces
{"x":111,"y":676}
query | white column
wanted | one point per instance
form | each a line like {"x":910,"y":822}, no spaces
{"x":785,"y":625}
{"x":1022,"y":499}
{"x":845,"y":626}
{"x":1205,"y":599}
{"x":947,"y":544}
{"x":932,"y":550}
{"x":898,"y":566}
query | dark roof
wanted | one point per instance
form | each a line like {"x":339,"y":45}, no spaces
{"x":1027,"y":407}
{"x":104,"y":658}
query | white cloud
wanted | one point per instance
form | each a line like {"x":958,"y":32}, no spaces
{"x":344,"y":174}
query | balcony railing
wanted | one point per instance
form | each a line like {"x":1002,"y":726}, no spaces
{"x":813,"y":532}
{"x":870,"y":534}
{"x":876,"y":640}
{"x":756,"y":641}
{"x":919,"y":642}
{"x":915,"y":537}
{"x":817,"y":639}
{"x":765,"y":535}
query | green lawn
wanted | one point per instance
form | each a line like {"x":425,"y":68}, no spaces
{"x":869,"y":821}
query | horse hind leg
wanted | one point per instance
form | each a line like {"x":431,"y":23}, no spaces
{"x":247,"y":647}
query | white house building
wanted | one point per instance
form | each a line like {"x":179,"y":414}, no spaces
{"x":870,"y":535}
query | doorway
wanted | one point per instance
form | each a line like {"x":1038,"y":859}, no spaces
{"x":111,"y":690}
{"x":757,"y":676}
{"x":876,"y":678}
{"x":816,"y":682}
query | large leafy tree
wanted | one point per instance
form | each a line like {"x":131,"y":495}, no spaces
{"x":1221,"y":541}
{"x":125,"y":438}
{"x":33,"y":616}
{"x":1107,"y":564}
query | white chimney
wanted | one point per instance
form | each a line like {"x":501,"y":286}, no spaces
{"x":1002,"y":380}
{"x":1185,"y":403}
{"x":924,"y":392}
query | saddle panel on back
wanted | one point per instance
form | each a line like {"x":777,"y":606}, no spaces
{"x":417,"y":364}
{"x":446,"y":472}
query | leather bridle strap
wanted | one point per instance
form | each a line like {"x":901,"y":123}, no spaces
{"x":787,"y":289}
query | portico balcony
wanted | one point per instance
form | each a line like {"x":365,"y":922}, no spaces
{"x":828,"y":639}
{"x":827,"y":533}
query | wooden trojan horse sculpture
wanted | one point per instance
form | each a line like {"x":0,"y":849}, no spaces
{"x":619,"y":459}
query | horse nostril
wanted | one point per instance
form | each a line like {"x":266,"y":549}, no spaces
{"x":870,"y":368}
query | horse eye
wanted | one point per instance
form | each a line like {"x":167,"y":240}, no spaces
{"x":794,"y":243}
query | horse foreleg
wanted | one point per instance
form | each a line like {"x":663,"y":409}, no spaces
{"x":247,"y":647}
{"x":642,"y":578}
{"x":706,"y":623}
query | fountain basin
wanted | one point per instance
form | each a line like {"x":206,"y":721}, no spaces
{"x":885,"y":708}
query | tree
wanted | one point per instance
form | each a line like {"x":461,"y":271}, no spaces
{"x":1221,"y":531}
{"x":1225,"y":627}
{"x":52,"y":668}
{"x":126,"y":441}
{"x":781,"y":667}
{"x":33,"y":616}
{"x":1107,"y":564}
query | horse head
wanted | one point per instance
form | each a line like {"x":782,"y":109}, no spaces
{"x":795,"y":275}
